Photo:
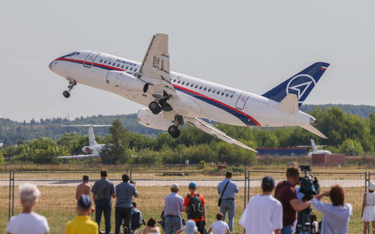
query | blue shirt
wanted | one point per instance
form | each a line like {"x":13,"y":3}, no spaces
{"x":135,"y":210}
{"x":229,"y":191}
{"x":335,"y":218}
{"x":124,"y":193}
{"x":173,"y":204}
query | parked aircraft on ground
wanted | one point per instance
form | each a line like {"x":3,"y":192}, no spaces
{"x":93,"y":147}
{"x":174,"y":99}
{"x":315,"y":149}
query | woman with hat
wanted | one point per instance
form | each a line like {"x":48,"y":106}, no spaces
{"x":190,"y":228}
{"x":368,"y":208}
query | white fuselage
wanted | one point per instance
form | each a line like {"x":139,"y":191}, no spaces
{"x":196,"y":97}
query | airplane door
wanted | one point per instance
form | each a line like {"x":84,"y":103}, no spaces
{"x":242,"y":99}
{"x":89,"y":61}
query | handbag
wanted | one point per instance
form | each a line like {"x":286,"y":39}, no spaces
{"x":219,"y":202}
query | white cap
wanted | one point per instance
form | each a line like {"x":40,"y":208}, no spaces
{"x":175,"y":186}
{"x":371,"y":186}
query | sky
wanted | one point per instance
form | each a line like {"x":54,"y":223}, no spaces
{"x":249,"y":45}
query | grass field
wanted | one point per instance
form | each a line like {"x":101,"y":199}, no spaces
{"x":58,"y":205}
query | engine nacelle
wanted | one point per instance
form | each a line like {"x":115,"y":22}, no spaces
{"x":86,"y":149}
{"x":148,"y":119}
{"x":126,"y":81}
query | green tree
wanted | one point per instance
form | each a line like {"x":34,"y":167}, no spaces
{"x":351,"y":147}
{"x":1,"y":158}
{"x":116,"y":147}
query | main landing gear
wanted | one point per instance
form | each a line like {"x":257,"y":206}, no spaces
{"x":173,"y":130}
{"x":66,"y":93}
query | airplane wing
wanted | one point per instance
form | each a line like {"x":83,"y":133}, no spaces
{"x":80,"y":156}
{"x":202,"y":125}
{"x":155,"y":69}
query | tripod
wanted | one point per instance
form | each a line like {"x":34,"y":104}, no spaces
{"x":303,"y":218}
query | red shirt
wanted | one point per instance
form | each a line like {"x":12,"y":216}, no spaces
{"x":186,"y":204}
{"x":285,"y":192}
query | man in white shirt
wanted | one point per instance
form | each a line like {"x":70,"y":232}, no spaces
{"x":219,"y":226}
{"x":172,"y":213}
{"x":264,"y":213}
{"x":28,"y":221}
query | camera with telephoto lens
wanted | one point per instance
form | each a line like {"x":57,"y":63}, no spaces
{"x":309,"y":184}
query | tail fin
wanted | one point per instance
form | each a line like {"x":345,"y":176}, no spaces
{"x":90,"y":130}
{"x":300,"y":84}
{"x":313,"y":146}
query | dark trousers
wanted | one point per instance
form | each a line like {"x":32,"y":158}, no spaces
{"x":104,"y":205}
{"x":200,"y":226}
{"x":123,"y":214}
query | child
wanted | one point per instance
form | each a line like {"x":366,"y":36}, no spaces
{"x":83,"y":223}
{"x":219,"y":226}
{"x":368,"y":208}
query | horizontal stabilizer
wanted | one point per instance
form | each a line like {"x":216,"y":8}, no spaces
{"x":289,"y":104}
{"x":198,"y":123}
{"x":312,"y":129}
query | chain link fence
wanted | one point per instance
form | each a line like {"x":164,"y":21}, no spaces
{"x":58,"y":202}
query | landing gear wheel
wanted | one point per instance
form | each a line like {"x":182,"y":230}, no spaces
{"x":174,"y":131}
{"x":66,"y":94}
{"x":155,"y":108}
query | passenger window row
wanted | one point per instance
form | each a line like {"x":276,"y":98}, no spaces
{"x":118,"y":65}
{"x":200,"y":87}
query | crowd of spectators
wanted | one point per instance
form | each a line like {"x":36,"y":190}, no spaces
{"x":263,"y":214}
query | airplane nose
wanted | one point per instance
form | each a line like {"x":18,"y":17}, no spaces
{"x":50,"y":65}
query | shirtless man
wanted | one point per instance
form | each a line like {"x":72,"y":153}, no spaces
{"x":83,"y":188}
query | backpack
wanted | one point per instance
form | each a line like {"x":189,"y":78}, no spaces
{"x":195,"y":209}
{"x":135,"y":221}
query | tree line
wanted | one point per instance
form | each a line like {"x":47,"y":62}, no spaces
{"x":347,"y":133}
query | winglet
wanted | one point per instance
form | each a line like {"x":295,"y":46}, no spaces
{"x":312,"y":129}
{"x":289,"y":104}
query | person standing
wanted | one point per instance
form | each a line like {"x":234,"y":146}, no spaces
{"x":336,"y":216}
{"x":123,"y":211}
{"x":263,"y":213}
{"x":285,"y":192}
{"x":368,"y":208}
{"x":83,"y":188}
{"x":172,"y":213}
{"x":82,"y":223}
{"x":103,"y":190}
{"x":195,"y":207}
{"x":228,"y":203}
{"x":28,"y":221}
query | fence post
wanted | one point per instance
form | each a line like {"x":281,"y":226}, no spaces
{"x":366,"y":181}
{"x":248,"y":185}
{"x":244,"y":198}
{"x":130,"y":174}
{"x":369,"y":180}
{"x":13,"y":196}
{"x":10,"y":193}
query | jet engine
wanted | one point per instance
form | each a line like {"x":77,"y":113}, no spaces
{"x":86,"y":149}
{"x":126,"y":81}
{"x":148,"y":119}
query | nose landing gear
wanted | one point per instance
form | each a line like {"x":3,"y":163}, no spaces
{"x":66,"y":93}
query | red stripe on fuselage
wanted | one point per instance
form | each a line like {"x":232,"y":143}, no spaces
{"x":248,"y":116}
{"x":91,"y":64}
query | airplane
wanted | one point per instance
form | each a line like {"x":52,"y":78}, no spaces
{"x":94,"y":148}
{"x":174,"y":98}
{"x":315,"y":149}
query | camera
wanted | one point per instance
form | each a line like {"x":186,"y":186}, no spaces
{"x":309,"y":184}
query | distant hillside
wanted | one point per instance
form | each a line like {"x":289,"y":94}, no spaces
{"x":12,"y":131}
{"x":361,"y":110}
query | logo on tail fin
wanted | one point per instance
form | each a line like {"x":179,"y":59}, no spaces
{"x":299,"y":84}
